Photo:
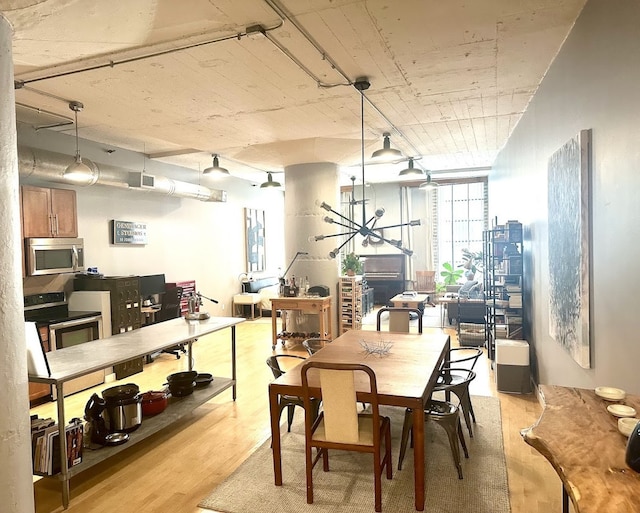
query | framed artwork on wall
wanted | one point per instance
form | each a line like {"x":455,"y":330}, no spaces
{"x":254,"y":229}
{"x":569,"y":175}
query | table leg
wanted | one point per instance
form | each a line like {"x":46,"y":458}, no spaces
{"x":275,"y":436}
{"x":274,"y":327}
{"x":233,"y":360}
{"x":64,"y":468}
{"x":418,"y":456}
{"x":565,"y":500}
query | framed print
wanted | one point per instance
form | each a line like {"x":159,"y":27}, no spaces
{"x":254,"y":229}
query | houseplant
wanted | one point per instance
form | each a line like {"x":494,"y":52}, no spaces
{"x":351,"y":264}
{"x":450,"y":275}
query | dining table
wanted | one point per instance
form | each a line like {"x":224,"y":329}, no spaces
{"x":405,"y":375}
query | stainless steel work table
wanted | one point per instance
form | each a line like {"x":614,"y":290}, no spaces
{"x":72,"y":362}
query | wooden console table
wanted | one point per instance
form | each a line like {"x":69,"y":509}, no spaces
{"x":581,"y":441}
{"x":321,"y":306}
{"x":80,"y":360}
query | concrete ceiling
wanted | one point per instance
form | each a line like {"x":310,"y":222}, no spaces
{"x":269,"y":83}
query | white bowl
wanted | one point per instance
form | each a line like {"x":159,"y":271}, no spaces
{"x":610,"y":393}
{"x":626,"y":425}
{"x":621,"y":410}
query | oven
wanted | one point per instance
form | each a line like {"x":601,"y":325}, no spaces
{"x":66,"y":328}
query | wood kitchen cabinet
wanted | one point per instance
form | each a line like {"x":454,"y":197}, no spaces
{"x":48,"y":212}
{"x":40,"y":390}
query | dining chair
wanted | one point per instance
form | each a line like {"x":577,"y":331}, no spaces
{"x":456,"y":381}
{"x":399,"y":319}
{"x":313,"y":345}
{"x":339,"y":425}
{"x":289,"y":401}
{"x":445,"y":414}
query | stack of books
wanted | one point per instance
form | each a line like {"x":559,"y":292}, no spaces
{"x":45,"y":445}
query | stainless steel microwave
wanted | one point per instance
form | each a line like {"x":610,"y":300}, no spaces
{"x":54,"y":255}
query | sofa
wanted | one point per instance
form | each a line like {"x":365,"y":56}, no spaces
{"x":267,"y":286}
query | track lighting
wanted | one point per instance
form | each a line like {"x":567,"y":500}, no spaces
{"x":386,"y":152}
{"x":215,"y":170}
{"x":78,"y":172}
{"x":270,"y":183}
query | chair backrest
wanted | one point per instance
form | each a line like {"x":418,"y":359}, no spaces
{"x":399,"y":319}
{"x":170,"y":304}
{"x":458,"y":355}
{"x":425,"y":281}
{"x":313,"y":345}
{"x":337,"y":384}
{"x":274,"y":365}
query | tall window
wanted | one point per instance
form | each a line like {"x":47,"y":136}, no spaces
{"x":462,"y":216}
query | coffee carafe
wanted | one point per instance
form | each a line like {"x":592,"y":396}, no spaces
{"x":93,"y":415}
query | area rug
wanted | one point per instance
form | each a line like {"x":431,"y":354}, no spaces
{"x":348,"y":487}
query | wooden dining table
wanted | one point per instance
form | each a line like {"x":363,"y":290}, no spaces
{"x":405,"y":377}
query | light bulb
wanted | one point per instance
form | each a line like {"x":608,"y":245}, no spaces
{"x":328,"y":220}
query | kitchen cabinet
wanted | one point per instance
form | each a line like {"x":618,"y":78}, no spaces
{"x":40,"y":390}
{"x":48,"y":212}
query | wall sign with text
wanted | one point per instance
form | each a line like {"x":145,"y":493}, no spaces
{"x":128,"y":232}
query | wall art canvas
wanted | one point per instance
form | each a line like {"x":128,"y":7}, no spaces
{"x":569,"y":246}
{"x":254,"y":225}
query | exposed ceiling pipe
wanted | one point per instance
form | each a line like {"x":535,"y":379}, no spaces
{"x":49,"y":166}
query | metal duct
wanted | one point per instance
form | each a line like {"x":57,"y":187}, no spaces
{"x":49,"y":166}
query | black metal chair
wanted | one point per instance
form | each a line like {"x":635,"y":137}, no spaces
{"x":313,"y":345}
{"x":399,"y":319}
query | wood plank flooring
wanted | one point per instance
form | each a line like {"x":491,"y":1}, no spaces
{"x":173,"y":470}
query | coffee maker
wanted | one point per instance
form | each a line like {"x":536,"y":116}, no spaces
{"x":96,"y":430}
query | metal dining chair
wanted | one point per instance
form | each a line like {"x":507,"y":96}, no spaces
{"x":399,"y":319}
{"x":313,"y":345}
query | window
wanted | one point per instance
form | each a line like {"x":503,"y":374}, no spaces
{"x":462,"y":215}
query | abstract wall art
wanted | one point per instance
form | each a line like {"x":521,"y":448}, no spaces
{"x":254,"y":225}
{"x":569,"y":175}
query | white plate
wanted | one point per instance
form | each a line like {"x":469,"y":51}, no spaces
{"x":621,"y":410}
{"x":610,"y":393}
{"x":626,"y":425}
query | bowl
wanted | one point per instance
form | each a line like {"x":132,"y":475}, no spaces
{"x":626,"y":425}
{"x":610,"y":393}
{"x":621,"y":410}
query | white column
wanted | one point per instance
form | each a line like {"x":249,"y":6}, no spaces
{"x":306,"y":186}
{"x":16,"y":484}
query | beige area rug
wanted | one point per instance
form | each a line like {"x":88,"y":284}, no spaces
{"x":348,"y":486}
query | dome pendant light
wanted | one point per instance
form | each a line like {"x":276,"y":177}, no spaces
{"x":428,"y":185}
{"x":78,"y":172}
{"x":410,"y":170}
{"x":215,"y":170}
{"x":387,"y":153}
{"x":270,"y":183}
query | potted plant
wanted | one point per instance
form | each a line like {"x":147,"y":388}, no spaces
{"x":351,"y":264}
{"x":450,"y":275}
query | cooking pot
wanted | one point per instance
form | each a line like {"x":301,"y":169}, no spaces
{"x":123,"y":408}
{"x":153,"y":403}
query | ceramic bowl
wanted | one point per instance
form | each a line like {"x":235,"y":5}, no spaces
{"x":621,"y":410}
{"x":626,"y":425}
{"x":610,"y":393}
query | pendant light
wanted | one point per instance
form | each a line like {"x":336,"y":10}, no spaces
{"x":386,"y":153}
{"x":215,"y":170}
{"x":78,"y":172}
{"x":428,"y":185}
{"x":410,"y":170}
{"x":270,"y":183}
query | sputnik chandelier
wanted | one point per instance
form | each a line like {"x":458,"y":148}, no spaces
{"x":367,"y":228}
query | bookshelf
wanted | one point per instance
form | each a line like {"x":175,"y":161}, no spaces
{"x":350,"y":297}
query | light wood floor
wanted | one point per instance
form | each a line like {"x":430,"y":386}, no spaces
{"x":175,"y":469}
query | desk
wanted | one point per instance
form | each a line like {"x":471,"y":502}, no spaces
{"x":581,"y":441}
{"x":80,"y":360}
{"x":402,"y":301}
{"x":405,"y":379}
{"x":321,"y":306}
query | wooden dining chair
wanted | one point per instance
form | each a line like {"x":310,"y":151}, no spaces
{"x":399,"y":319}
{"x":339,"y":425}
{"x":289,"y":401}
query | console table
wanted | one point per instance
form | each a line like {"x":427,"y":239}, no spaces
{"x":320,"y":306}
{"x":75,"y":361}
{"x":581,"y":441}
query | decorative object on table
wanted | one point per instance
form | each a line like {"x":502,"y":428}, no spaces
{"x":351,"y":264}
{"x":632,"y":455}
{"x":255,"y":234}
{"x":610,"y":393}
{"x":378,"y":347}
{"x":367,"y":228}
{"x":569,"y":247}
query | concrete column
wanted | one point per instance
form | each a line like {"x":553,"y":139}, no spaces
{"x":306,"y":186}
{"x":16,"y":484}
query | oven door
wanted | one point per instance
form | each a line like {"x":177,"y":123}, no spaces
{"x":71,"y":333}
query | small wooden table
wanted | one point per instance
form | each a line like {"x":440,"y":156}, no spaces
{"x":321,"y":306}
{"x":402,"y":301}
{"x":581,"y":441}
{"x":406,"y":377}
